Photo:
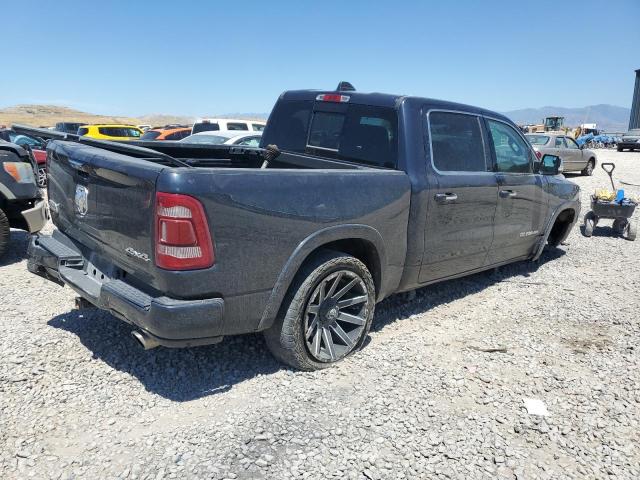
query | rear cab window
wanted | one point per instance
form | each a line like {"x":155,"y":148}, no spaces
{"x":237,"y":126}
{"x":205,"y":127}
{"x":363,"y":134}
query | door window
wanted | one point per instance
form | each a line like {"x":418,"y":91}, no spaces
{"x":571,"y":144}
{"x":456,"y":142}
{"x":513,"y":154}
{"x":560,"y":142}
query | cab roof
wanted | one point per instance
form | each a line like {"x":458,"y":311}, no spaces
{"x":388,"y":100}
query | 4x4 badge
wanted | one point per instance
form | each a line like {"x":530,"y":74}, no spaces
{"x":82,"y":200}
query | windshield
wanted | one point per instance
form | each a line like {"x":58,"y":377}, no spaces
{"x":537,"y":139}
{"x":150,"y":135}
{"x":208,"y":139}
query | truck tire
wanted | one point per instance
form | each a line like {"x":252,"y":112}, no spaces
{"x":588,"y":170}
{"x":589,"y":224}
{"x":5,"y":231}
{"x":326,"y":314}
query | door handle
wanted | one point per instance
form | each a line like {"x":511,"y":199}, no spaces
{"x":443,"y":198}
{"x":508,"y":193}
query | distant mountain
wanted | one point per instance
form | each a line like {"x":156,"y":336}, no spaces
{"x":49,"y":115}
{"x":607,"y":117}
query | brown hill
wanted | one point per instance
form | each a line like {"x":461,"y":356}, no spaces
{"x":49,"y":115}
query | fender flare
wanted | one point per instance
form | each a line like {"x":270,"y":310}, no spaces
{"x":304,"y":250}
{"x":570,"y":204}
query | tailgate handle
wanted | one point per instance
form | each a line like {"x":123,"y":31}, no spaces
{"x":443,"y":198}
{"x":81,"y":167}
{"x":508,"y":193}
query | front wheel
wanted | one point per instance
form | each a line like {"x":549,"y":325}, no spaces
{"x":327,"y":313}
{"x":5,"y":231}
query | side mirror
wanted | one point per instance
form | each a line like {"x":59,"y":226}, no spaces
{"x":551,"y":165}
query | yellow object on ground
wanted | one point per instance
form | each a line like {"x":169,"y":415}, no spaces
{"x":604,"y":194}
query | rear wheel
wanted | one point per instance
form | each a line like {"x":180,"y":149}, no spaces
{"x":632,"y":229}
{"x":327,"y":313}
{"x":620,"y":149}
{"x":5,"y":231}
{"x":619,"y":226}
{"x":589,"y":224}
{"x":588,"y":170}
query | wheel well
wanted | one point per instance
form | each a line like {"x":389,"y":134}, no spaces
{"x":363,"y":250}
{"x":561,"y":226}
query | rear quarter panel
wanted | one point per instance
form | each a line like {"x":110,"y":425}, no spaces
{"x":258,"y":218}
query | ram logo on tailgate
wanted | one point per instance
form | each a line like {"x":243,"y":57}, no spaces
{"x":82,"y":200}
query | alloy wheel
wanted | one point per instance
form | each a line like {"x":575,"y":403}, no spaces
{"x":336,"y":316}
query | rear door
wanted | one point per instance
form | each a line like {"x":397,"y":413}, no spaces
{"x":462,"y":198}
{"x":522,"y":203}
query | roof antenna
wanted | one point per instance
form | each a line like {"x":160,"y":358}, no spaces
{"x":345,"y":87}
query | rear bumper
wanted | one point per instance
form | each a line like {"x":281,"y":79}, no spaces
{"x":171,"y":322}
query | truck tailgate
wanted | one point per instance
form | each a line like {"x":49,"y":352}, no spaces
{"x":105,"y":200}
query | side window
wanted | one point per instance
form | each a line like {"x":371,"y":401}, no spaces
{"x":513,"y":154}
{"x":456,"y":142}
{"x":237,"y":126}
{"x":83,"y":131}
{"x":559,"y":142}
{"x":258,"y":127}
{"x":571,"y":143}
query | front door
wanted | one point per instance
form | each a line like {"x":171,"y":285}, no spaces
{"x":462,"y":198}
{"x":522,"y":203}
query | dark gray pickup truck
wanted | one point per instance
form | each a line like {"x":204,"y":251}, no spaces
{"x":351,"y":198}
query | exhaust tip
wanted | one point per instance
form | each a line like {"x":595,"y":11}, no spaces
{"x":146,"y":341}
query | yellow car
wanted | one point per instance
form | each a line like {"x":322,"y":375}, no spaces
{"x":111,"y":132}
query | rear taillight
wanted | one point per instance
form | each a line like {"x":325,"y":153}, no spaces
{"x":183,"y":240}
{"x":538,"y":154}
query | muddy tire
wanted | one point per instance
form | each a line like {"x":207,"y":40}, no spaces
{"x":326,"y":314}
{"x":5,"y":231}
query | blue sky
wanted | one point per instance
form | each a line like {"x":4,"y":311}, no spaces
{"x":204,"y":57}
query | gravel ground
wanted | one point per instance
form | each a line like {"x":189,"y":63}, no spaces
{"x":80,"y":399}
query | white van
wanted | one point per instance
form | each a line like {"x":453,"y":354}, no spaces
{"x":213,"y":124}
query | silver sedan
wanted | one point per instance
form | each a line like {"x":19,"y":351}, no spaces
{"x":574,"y":158}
